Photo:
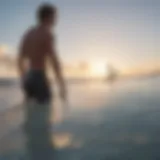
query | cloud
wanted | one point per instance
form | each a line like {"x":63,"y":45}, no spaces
{"x":6,"y":56}
{"x":4,"y":49}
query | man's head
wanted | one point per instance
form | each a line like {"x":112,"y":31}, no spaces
{"x":46,"y":14}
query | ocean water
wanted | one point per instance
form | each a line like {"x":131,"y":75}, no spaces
{"x":101,"y":122}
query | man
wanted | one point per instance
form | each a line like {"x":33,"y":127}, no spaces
{"x":38,"y":47}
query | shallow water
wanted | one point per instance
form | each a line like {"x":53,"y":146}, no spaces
{"x":105,"y":121}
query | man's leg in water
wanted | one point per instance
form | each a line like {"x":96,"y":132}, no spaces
{"x":38,"y":131}
{"x":38,"y":118}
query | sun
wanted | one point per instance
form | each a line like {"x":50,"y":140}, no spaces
{"x":98,"y":70}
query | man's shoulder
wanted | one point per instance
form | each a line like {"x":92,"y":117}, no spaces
{"x":28,"y":32}
{"x":48,"y":36}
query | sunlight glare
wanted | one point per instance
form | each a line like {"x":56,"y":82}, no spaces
{"x":98,"y":70}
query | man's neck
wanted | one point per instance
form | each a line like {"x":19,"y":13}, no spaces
{"x":45,"y":27}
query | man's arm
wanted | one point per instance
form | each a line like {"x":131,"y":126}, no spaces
{"x":21,"y":57}
{"x":56,"y":65}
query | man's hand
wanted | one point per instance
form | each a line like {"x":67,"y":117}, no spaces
{"x":63,"y":93}
{"x":65,"y":103}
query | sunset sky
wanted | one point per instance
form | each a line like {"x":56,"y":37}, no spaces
{"x":124,"y":33}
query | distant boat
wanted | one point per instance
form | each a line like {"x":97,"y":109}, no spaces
{"x":112,"y":73}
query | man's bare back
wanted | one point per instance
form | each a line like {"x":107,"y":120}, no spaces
{"x":35,"y":47}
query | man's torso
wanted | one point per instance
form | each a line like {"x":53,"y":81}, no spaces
{"x":35,"y":48}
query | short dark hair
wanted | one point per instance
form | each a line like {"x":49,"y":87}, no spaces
{"x":45,"y":11}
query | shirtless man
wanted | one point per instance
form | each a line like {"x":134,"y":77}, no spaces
{"x":38,"y":47}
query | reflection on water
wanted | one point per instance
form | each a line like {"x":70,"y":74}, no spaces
{"x":62,"y":140}
{"x":104,"y":122}
{"x":37,"y":130}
